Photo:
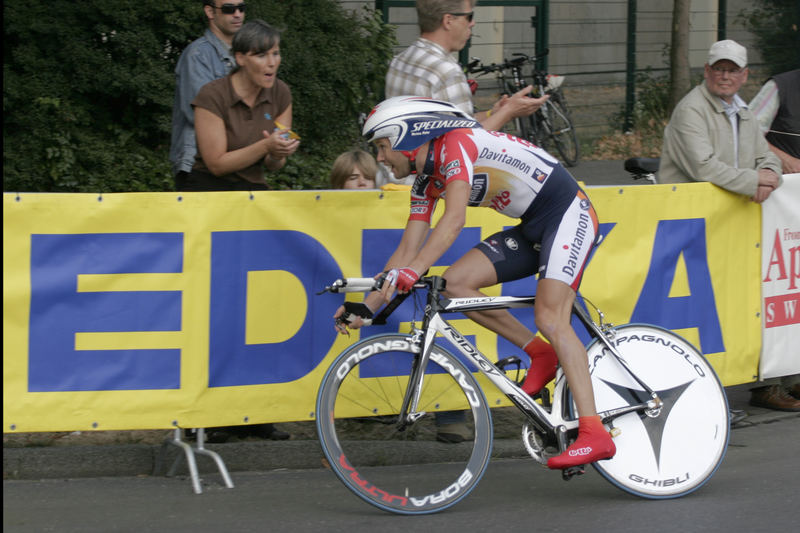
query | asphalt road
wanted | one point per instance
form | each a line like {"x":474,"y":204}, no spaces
{"x":755,"y":489}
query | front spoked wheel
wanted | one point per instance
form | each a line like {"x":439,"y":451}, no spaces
{"x":672,"y":451}
{"x":388,"y":464}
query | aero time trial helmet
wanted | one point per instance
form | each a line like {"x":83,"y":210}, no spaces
{"x":411,"y":121}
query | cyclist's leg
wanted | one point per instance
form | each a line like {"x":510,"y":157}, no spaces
{"x":505,"y":256}
{"x":474,"y":271}
{"x":553,"y":310}
{"x":559,"y":280}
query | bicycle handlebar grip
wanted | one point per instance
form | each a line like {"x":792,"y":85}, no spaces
{"x":353,"y":285}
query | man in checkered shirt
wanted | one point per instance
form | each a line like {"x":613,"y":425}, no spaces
{"x":427,"y":67}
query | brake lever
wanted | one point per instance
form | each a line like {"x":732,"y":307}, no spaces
{"x":341,"y":326}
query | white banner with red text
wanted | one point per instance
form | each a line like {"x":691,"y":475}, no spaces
{"x":780,"y":280}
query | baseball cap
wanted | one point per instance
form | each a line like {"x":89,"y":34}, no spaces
{"x":730,"y":50}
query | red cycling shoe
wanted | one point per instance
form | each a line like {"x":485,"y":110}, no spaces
{"x":593,"y":444}
{"x":544,"y":363}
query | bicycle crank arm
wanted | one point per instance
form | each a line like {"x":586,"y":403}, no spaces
{"x":651,"y":406}
{"x":403,"y":422}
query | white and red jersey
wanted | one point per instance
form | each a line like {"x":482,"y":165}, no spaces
{"x":505,"y":173}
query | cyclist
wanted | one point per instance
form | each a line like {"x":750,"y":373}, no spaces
{"x":455,"y":159}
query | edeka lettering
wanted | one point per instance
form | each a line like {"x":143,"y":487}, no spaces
{"x":676,"y":239}
{"x":232,"y":362}
{"x":59,"y":310}
{"x":576,"y":246}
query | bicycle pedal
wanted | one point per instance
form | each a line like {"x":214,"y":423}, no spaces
{"x":568,"y":473}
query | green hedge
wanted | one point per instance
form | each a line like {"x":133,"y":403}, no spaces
{"x":88,"y":88}
{"x":776,"y":25}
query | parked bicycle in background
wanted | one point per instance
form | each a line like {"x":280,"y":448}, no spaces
{"x":551,"y":126}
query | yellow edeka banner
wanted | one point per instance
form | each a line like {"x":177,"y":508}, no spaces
{"x":140,"y":311}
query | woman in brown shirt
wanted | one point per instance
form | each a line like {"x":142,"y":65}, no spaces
{"x":236,"y":117}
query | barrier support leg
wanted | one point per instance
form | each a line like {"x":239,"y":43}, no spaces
{"x":201,"y":434}
{"x":189,"y":453}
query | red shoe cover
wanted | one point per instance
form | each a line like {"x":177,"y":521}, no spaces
{"x":593,"y":444}
{"x":544,"y":363}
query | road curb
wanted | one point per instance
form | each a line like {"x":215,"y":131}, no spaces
{"x":59,"y":462}
{"x":64,"y":462}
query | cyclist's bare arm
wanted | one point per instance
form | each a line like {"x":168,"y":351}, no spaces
{"x":447,"y":229}
{"x":440,"y":239}
{"x":410,"y":243}
{"x":442,"y":236}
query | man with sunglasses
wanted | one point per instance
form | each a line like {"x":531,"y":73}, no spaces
{"x":713,"y":136}
{"x":427,"y":67}
{"x":205,"y":59}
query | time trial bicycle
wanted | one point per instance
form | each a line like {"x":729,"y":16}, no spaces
{"x":661,"y":399}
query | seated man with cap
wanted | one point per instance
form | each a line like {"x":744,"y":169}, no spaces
{"x":712,"y":135}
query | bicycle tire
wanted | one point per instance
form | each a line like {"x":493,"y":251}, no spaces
{"x":679,"y":450}
{"x":562,"y":131}
{"x":534,"y":131}
{"x":357,"y":404}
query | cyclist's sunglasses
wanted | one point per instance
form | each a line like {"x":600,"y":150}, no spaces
{"x":230,"y":9}
{"x":468,"y":15}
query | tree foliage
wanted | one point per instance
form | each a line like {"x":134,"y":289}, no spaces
{"x":88,"y":88}
{"x":776,"y":25}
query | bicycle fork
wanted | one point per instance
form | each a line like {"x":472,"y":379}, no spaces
{"x":408,"y":411}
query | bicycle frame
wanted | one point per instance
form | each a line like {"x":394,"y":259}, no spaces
{"x":553,"y":421}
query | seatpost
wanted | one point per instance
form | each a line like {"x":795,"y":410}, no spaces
{"x":602,"y":336}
